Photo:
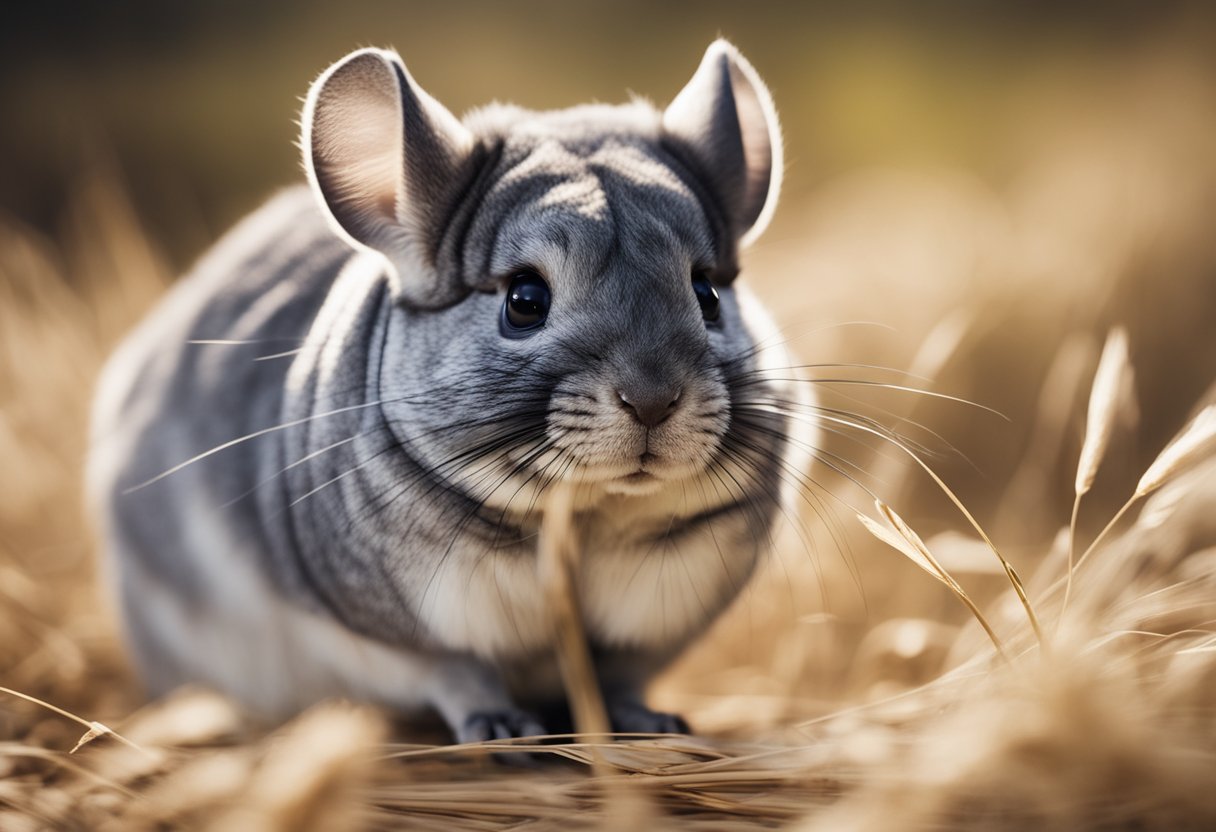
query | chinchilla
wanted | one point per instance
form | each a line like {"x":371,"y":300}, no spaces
{"x":319,"y":464}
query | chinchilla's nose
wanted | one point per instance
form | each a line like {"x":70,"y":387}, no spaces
{"x":650,"y":404}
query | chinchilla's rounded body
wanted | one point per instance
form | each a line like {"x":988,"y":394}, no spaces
{"x":319,"y":464}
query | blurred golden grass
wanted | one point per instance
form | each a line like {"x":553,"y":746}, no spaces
{"x":843,"y":692}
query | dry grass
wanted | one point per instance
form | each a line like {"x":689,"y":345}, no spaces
{"x":846,"y":691}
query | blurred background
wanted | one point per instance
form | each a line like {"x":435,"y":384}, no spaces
{"x":975,"y":193}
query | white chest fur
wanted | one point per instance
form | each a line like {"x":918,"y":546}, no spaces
{"x":637,"y":594}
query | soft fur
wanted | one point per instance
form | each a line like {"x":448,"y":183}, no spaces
{"x":318,"y":470}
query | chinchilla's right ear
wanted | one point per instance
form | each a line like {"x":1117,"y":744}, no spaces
{"x":724,"y":123}
{"x":386,"y":159}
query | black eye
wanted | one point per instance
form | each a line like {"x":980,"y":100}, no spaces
{"x":707,"y":296}
{"x":527,"y":305}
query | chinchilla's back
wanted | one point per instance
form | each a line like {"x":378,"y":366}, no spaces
{"x":207,"y":367}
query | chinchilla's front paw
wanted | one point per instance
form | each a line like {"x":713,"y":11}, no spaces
{"x":499,"y":725}
{"x":635,"y":718}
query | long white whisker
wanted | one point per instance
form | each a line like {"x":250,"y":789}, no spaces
{"x":225,"y":342}
{"x":288,"y":467}
{"x":284,"y":354}
{"x":240,"y":439}
{"x":331,"y":481}
{"x":900,"y":387}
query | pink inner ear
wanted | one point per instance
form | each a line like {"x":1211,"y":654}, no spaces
{"x":381,"y":154}
{"x":356,"y":144}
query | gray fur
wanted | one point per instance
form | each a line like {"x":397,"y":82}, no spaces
{"x":317,"y":471}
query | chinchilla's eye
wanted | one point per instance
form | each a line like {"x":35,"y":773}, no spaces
{"x":526,"y":306}
{"x":707,"y":296}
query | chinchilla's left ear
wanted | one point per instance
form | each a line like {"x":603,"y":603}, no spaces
{"x":387,"y":159}
{"x":724,"y":121}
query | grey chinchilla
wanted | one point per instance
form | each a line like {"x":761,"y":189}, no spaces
{"x":318,"y":464}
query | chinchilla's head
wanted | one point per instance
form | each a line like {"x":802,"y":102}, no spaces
{"x":564,"y":281}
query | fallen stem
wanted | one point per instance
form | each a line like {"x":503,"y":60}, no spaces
{"x":95,"y":729}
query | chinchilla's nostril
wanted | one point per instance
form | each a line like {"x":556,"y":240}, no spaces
{"x":651,"y":406}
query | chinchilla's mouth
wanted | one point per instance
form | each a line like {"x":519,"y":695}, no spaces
{"x":637,"y":484}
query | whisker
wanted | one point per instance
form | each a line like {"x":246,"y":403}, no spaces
{"x":817,"y":413}
{"x":807,"y":496}
{"x":889,"y":386}
{"x":950,"y":447}
{"x":288,"y":467}
{"x":275,"y":355}
{"x":832,"y":461}
{"x":459,"y":530}
{"x":241,"y":439}
{"x":758,"y":348}
{"x":228,"y":342}
{"x":806,"y":487}
{"x":837,"y":365}
{"x":331,"y":481}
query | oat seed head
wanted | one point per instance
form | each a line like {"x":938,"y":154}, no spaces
{"x":1195,"y":442}
{"x":1114,"y":369}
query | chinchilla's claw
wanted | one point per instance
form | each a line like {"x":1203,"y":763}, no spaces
{"x":632,"y":718}
{"x":503,"y":725}
{"x":499,"y":725}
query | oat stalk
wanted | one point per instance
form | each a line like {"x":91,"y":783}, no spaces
{"x":1196,"y":441}
{"x":558,"y":557}
{"x":1010,"y":573}
{"x":1193,"y":443}
{"x":1114,"y":369}
{"x":907,"y":542}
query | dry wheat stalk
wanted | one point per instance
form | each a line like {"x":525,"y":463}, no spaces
{"x":1195,"y":442}
{"x":1112,"y":376}
{"x":1192,"y":444}
{"x":1010,"y":573}
{"x":558,"y":556}
{"x":908,"y":543}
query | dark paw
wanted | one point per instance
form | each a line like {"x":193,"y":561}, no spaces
{"x":631,"y":718}
{"x":499,"y":725}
